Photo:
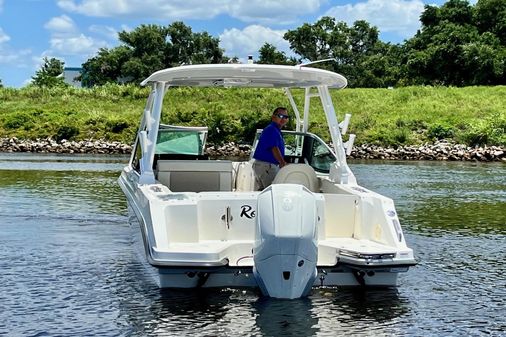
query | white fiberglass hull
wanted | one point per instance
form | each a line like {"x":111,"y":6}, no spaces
{"x":347,"y":271}
{"x":234,"y":277}
{"x":242,"y":277}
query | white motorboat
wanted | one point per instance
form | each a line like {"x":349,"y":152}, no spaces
{"x":202,"y":223}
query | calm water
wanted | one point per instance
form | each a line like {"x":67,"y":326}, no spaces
{"x":68,"y":268}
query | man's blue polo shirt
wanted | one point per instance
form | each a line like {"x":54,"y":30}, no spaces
{"x":270,"y":137}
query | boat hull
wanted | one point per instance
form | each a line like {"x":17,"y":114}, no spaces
{"x":340,"y":275}
{"x":345,"y":270}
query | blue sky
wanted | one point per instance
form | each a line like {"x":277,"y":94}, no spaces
{"x":74,"y":30}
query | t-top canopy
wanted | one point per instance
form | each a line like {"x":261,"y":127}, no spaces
{"x":247,"y":75}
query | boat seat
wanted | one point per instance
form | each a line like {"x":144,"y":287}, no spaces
{"x":245,"y":178}
{"x":301,"y":174}
{"x":195,"y":175}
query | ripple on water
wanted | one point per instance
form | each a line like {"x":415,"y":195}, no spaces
{"x":69,"y":268}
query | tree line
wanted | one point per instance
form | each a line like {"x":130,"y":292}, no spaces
{"x":458,"y":44}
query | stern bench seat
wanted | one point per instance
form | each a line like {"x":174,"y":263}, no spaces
{"x":195,"y":175}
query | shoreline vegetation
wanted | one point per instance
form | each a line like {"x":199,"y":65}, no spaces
{"x":402,"y":123}
{"x":441,"y":150}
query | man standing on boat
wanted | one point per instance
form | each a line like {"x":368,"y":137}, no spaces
{"x":270,"y":151}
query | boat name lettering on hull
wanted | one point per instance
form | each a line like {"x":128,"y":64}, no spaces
{"x":247,"y":211}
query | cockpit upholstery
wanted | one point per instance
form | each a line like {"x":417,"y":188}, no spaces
{"x":301,"y":174}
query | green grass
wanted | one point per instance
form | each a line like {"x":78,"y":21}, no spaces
{"x":409,"y":115}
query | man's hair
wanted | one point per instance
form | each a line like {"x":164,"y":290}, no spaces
{"x":277,"y":109}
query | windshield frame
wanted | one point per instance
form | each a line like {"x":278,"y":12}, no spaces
{"x":303,"y":151}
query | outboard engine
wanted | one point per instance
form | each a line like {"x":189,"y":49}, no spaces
{"x":286,"y":248}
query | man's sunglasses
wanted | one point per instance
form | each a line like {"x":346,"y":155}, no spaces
{"x":283,"y":116}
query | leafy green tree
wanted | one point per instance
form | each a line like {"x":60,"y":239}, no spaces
{"x":50,"y":73}
{"x":146,"y":48}
{"x":105,"y":67}
{"x":381,"y":69}
{"x":233,"y":59}
{"x":369,"y":60}
{"x":457,"y":11}
{"x":490,"y":16}
{"x":268,"y":54}
{"x":149,"y":48}
{"x":454,"y":48}
{"x":206,"y":49}
{"x":357,"y":50}
{"x":430,"y":16}
{"x":1,"y":85}
{"x":440,"y":61}
{"x":485,"y":59}
{"x":312,"y":41}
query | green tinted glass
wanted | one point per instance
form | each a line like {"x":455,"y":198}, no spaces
{"x":180,"y":142}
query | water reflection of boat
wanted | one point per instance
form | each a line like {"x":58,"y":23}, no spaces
{"x":204,"y":224}
{"x":275,"y":317}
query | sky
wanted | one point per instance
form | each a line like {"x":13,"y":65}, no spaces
{"x":74,"y":30}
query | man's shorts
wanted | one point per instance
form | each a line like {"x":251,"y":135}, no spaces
{"x":265,"y":173}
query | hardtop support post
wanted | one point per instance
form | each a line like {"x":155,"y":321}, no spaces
{"x":295,"y":109}
{"x":340,"y":171}
{"x":307,"y":103}
{"x":148,"y":136}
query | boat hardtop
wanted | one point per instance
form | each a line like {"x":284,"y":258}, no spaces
{"x":247,"y":75}
{"x":203,"y":222}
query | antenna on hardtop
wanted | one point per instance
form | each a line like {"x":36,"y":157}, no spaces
{"x":318,"y":61}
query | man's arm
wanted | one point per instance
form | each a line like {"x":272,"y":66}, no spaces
{"x":277,"y":155}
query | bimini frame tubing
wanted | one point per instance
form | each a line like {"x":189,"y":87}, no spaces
{"x":298,"y":123}
{"x":147,"y":137}
{"x":340,"y":171}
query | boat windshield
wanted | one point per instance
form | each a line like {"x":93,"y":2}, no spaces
{"x":181,"y":140}
{"x":305,"y":148}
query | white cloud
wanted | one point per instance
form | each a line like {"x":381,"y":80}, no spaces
{"x":61,"y":24}
{"x":272,"y":12}
{"x":126,"y":28}
{"x":106,"y":31}
{"x":146,"y":8}
{"x":399,"y":16}
{"x":67,"y":40}
{"x":6,"y":57}
{"x":74,"y":45}
{"x":9,"y":55}
{"x":248,"y":41}
{"x":262,"y":11}
{"x":15,"y":57}
{"x":3,"y":36}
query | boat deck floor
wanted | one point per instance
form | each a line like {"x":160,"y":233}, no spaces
{"x":357,"y":245}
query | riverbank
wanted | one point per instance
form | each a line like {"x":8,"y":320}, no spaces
{"x":438,"y":151}
{"x":403,"y":116}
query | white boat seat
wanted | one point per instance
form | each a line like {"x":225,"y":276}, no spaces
{"x":195,"y":175}
{"x":301,"y":174}
{"x":245,"y":179}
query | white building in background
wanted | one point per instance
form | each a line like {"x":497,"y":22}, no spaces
{"x":70,"y":75}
